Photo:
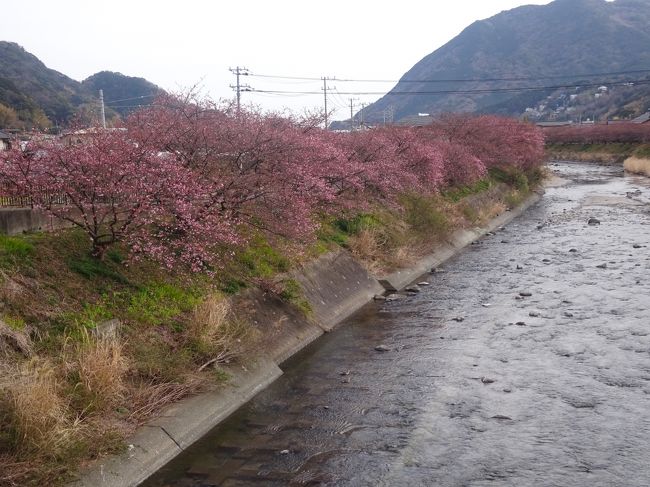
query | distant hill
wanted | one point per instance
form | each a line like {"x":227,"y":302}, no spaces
{"x":122,"y":93}
{"x":33,"y":95}
{"x":562,"y":43}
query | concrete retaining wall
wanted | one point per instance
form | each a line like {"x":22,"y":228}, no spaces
{"x":459,"y":239}
{"x":336,"y":285}
{"x":19,"y":220}
{"x":182,"y":424}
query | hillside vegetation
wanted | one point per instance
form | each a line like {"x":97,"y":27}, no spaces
{"x":35,"y":96}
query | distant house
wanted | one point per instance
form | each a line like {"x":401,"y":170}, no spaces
{"x":554,"y":124}
{"x":645,"y":118}
{"x":5,"y":141}
{"x":83,"y":136}
{"x":419,"y":120}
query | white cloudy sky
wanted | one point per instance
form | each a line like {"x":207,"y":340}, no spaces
{"x":178,"y":44}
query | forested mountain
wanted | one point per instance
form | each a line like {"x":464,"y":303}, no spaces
{"x":122,"y":93}
{"x":33,"y":95}
{"x":559,"y":46}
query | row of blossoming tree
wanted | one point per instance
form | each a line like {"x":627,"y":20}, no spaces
{"x":185,"y":176}
{"x":599,"y":134}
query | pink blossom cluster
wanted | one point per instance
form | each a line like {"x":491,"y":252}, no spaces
{"x":185,"y":178}
{"x":625,"y":132}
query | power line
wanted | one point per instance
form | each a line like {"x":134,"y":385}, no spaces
{"x":130,"y":99}
{"x":468,"y":91}
{"x":451,"y":80}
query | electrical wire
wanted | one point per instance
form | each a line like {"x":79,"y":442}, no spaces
{"x":133,"y":98}
{"x":468,"y":91}
{"x":458,"y":80}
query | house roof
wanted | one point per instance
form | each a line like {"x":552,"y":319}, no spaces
{"x":553,"y":124}
{"x":416,"y":120}
{"x":643,"y":118}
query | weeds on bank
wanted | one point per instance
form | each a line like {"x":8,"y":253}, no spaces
{"x":68,"y":390}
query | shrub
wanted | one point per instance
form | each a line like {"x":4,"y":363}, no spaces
{"x":425,"y":215}
{"x":637,"y":165}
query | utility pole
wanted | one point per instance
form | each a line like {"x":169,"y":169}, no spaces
{"x":101,"y":101}
{"x":325,"y":78}
{"x":238,"y":87}
{"x":363,"y":106}
{"x":352,"y":100}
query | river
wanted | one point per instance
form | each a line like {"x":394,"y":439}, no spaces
{"x":526,"y":362}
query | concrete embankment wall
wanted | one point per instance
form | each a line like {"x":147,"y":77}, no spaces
{"x":600,"y":157}
{"x":336,"y":285}
{"x":14,"y":221}
{"x":637,"y":165}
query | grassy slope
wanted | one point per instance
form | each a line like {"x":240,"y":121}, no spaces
{"x":69,"y":393}
{"x":614,"y":152}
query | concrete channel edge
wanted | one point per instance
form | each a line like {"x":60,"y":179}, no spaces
{"x":336,"y":285}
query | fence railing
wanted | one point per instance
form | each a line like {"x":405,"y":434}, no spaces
{"x":10,"y":200}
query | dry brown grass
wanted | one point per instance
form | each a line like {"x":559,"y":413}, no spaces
{"x":149,"y":399}
{"x":383,"y":248}
{"x":637,"y":165}
{"x":39,"y":414}
{"x":490,"y":211}
{"x":367,"y":246}
{"x":14,"y":340}
{"x":217,"y":333}
{"x":101,"y":367}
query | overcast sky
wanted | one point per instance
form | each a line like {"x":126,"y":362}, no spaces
{"x":178,"y":44}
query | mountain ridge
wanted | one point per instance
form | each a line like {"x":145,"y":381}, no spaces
{"x":35,"y":96}
{"x":529,"y":41}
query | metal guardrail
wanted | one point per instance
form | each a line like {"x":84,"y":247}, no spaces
{"x":9,"y":200}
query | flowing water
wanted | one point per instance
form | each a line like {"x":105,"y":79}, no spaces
{"x":480,"y":385}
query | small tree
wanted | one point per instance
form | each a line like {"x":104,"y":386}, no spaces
{"x":112,"y":187}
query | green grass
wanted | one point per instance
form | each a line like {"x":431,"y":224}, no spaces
{"x":516,"y":178}
{"x":259,"y":259}
{"x":425,"y":216}
{"x":14,"y":322}
{"x":615,"y":148}
{"x":338,"y":231}
{"x":292,"y":293}
{"x":15,"y":250}
{"x":643,"y":151}
{"x":91,"y":268}
{"x":456,"y":194}
{"x":159,"y":303}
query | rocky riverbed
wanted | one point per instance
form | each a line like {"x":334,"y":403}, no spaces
{"x":526,"y":361}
